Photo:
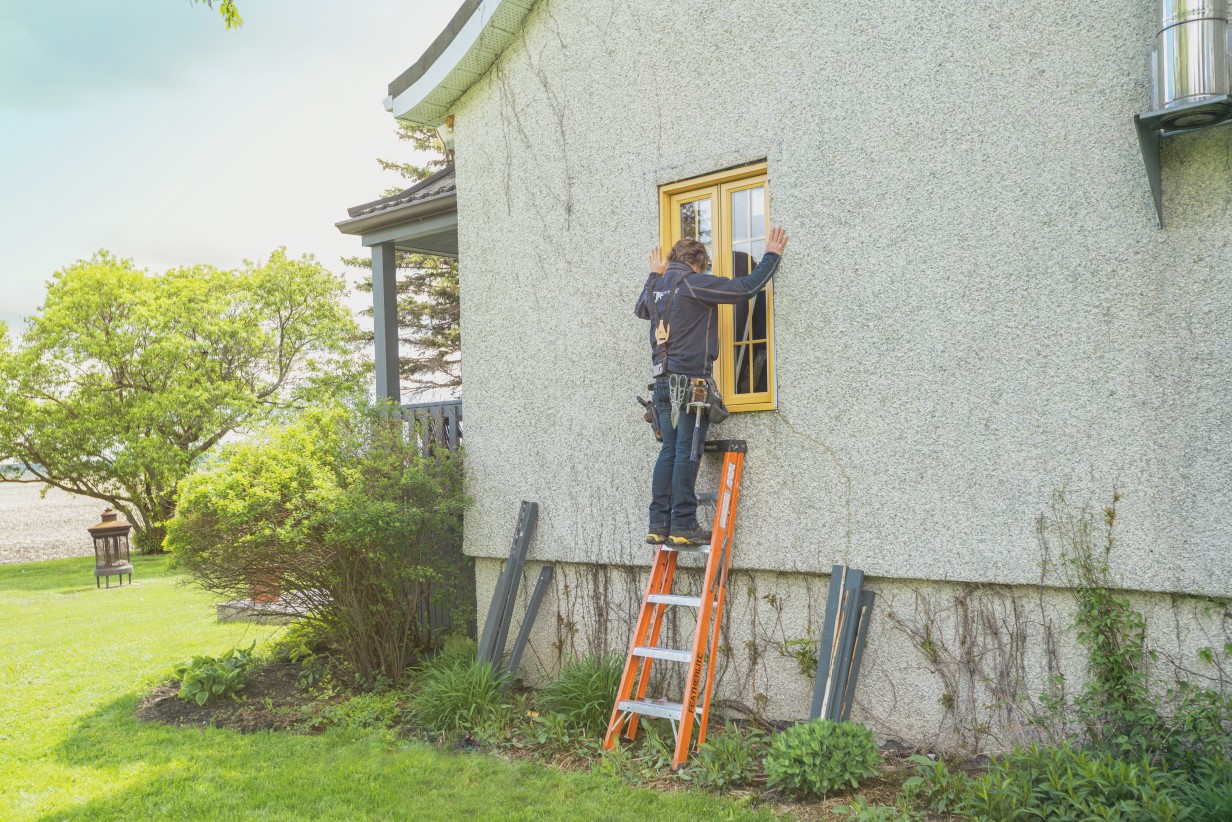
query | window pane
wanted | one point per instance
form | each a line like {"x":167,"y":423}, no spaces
{"x":696,"y":221}
{"x":742,"y":372}
{"x":740,"y":216}
{"x":758,"y":367}
{"x":759,"y":209}
{"x":688,"y":220}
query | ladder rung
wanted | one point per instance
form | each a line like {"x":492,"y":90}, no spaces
{"x":675,"y":599}
{"x":663,"y":710}
{"x":670,"y":654}
{"x":688,"y":549}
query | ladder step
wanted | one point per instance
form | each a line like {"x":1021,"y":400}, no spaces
{"x":670,"y":654}
{"x":675,"y":599}
{"x":663,"y":710}
{"x":688,"y":549}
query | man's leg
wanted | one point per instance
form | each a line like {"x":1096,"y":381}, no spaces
{"x":661,"y":478}
{"x":684,"y":476}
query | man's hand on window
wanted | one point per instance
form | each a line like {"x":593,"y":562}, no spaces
{"x":656,"y":261}
{"x":776,"y":242}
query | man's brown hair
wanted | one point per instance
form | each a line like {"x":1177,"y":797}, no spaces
{"x":691,"y":252}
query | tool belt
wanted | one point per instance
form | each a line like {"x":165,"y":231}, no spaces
{"x":712,"y":400}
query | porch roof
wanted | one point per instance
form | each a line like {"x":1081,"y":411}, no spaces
{"x":422,"y":218}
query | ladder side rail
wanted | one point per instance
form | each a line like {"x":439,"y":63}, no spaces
{"x":632,"y":663}
{"x":706,"y":613}
{"x":656,"y":626}
{"x":708,"y":684}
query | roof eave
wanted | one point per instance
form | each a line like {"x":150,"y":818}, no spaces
{"x":425,"y":93}
{"x":398,"y":214}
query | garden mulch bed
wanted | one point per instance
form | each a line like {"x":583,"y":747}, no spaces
{"x":272,"y":702}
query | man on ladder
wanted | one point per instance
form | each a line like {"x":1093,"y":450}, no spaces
{"x":681,"y":301}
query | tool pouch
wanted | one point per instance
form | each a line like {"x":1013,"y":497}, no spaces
{"x":718,"y":411}
{"x":651,"y":416}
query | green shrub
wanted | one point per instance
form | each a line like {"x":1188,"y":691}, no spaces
{"x":860,"y":811}
{"x":458,"y":693}
{"x":1063,"y":783}
{"x":365,"y":712}
{"x":207,"y":677}
{"x":935,"y":784}
{"x":585,"y":692}
{"x":1206,"y":792}
{"x":341,"y":509}
{"x":658,"y":744}
{"x":819,"y":757}
{"x":552,"y":732}
{"x":726,"y":760}
{"x":1119,"y":711}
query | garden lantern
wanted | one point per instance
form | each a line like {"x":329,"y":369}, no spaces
{"x":111,"y":548}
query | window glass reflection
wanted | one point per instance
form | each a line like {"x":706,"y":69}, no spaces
{"x":748,"y":228}
{"x":696,"y":222}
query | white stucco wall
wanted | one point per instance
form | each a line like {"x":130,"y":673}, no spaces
{"x":958,"y":668}
{"x":976,"y":307}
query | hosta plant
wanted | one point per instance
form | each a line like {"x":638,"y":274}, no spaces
{"x":207,"y":677}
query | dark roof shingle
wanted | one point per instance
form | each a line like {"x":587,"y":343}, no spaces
{"x":440,"y":184}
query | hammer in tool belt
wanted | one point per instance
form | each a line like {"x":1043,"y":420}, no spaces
{"x":698,"y":401}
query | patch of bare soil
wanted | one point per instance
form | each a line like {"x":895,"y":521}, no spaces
{"x":270,"y":701}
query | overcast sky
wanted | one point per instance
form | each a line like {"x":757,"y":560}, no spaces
{"x":146,"y":128}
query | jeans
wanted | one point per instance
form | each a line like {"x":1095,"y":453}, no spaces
{"x":673,"y":503}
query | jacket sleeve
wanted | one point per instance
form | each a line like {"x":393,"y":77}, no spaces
{"x":642,"y":308}
{"x":711,"y":290}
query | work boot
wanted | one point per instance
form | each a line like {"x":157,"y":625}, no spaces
{"x":693,"y":536}
{"x":657,"y":536}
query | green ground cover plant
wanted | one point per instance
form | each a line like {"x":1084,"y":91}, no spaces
{"x":209,"y":677}
{"x":728,"y":759}
{"x":75,"y":663}
{"x":821,"y":757}
{"x":584,"y":692}
{"x":1152,"y":745}
{"x":455,"y":692}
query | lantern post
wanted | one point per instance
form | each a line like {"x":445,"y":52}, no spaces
{"x":111,"y":548}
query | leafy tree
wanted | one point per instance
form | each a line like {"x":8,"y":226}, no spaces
{"x":230,"y":14}
{"x":428,"y":311}
{"x":126,"y":379}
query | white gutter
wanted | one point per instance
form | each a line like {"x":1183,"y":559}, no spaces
{"x":490,"y":29}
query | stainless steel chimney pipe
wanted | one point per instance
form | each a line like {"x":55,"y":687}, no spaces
{"x":1193,"y":53}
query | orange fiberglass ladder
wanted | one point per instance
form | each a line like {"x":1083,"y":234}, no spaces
{"x":631,"y":700}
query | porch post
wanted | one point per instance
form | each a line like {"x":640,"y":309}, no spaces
{"x":385,"y":321}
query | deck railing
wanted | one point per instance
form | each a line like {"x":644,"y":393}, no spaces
{"x":437,"y":423}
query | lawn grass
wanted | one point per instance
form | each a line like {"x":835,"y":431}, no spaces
{"x":74,"y":662}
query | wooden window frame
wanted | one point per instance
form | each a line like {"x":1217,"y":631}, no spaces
{"x":719,"y":186}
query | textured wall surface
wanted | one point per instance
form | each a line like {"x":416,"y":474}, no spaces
{"x":952,"y":666}
{"x":976,"y":307}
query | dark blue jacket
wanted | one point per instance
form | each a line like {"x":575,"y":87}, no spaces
{"x":693,"y":343}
